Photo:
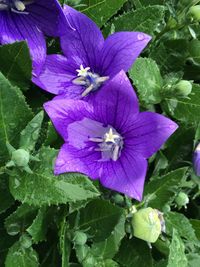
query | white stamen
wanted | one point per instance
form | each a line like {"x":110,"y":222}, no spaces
{"x":102,"y":79}
{"x":79,"y":81}
{"x":88,"y":90}
{"x":110,"y":137}
{"x":19,"y":5}
{"x":96,"y":140}
{"x":115,"y":153}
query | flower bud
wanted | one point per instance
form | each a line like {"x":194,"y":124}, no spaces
{"x":20,"y":157}
{"x":147,"y":224}
{"x":196,"y":160}
{"x":194,"y":50}
{"x":194,"y":12}
{"x":118,"y":199}
{"x":80,"y":238}
{"x":183,"y":88}
{"x":181,"y":199}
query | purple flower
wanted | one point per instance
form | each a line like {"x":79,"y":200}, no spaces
{"x":109,"y":139}
{"x":89,"y":60}
{"x":196,"y":160}
{"x":30,"y":20}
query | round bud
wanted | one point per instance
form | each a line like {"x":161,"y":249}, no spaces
{"x":194,"y":50}
{"x":183,"y":88}
{"x":80,"y":238}
{"x":20,"y":157}
{"x":194,"y":12}
{"x":166,"y":208}
{"x":118,"y":199}
{"x":146,"y":224}
{"x":181,"y":199}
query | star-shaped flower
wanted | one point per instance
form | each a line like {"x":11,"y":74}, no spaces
{"x":109,"y":139}
{"x":85,"y":51}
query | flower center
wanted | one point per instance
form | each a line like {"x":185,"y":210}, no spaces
{"x":15,"y":6}
{"x":110,"y":145}
{"x":91,"y":81}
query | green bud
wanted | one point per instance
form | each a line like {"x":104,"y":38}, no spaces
{"x":118,"y":199}
{"x":194,"y":12}
{"x":194,"y":50}
{"x":147,"y":224}
{"x":80,"y":238}
{"x":166,"y":208}
{"x":183,"y":88}
{"x":20,"y":157}
{"x":181,"y":199}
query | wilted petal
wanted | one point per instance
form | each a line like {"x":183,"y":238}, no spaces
{"x":83,"y":41}
{"x":63,"y":112}
{"x":148,"y":133}
{"x":127,"y":175}
{"x":18,"y":28}
{"x":116,"y":102}
{"x":120,"y":51}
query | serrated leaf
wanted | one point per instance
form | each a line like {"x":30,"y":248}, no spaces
{"x":177,"y":255}
{"x":158,"y":191}
{"x":134,"y":252}
{"x":15,"y":64}
{"x":44,"y":188}
{"x":30,"y":134}
{"x":39,"y":227}
{"x":147,"y":79}
{"x":145,"y":19}
{"x":185,"y":109}
{"x":14,"y":115}
{"x":178,"y":221}
{"x":100,"y":11}
{"x":20,"y":256}
{"x":109,"y":247}
{"x":99,"y":218}
{"x":6,"y":199}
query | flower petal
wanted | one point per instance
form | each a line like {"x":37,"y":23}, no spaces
{"x":148,"y":133}
{"x":116,"y":102}
{"x":127,"y":175}
{"x":83,"y":41}
{"x":63,"y":112}
{"x":56,"y":77}
{"x":15,"y":27}
{"x":48,"y":16}
{"x":120,"y":51}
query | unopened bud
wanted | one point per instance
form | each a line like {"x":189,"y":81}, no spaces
{"x":183,"y":88}
{"x":20,"y":157}
{"x":182,"y":199}
{"x":80,"y":238}
{"x":194,"y":12}
{"x":147,"y":224}
{"x":194,"y":50}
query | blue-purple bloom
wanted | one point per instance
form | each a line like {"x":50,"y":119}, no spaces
{"x":29,"y":20}
{"x":89,"y":60}
{"x":196,"y":160}
{"x":109,"y":139}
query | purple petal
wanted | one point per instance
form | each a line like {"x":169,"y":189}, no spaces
{"x":196,"y":160}
{"x":120,"y":51}
{"x":116,"y":102}
{"x":16,"y":27}
{"x":48,"y":16}
{"x":63,"y":112}
{"x":148,"y":133}
{"x":127,"y":175}
{"x":83,"y":41}
{"x":56,"y":77}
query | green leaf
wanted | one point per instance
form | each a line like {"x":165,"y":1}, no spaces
{"x":193,"y":260}
{"x":145,"y":19}
{"x":158,"y":191}
{"x":134,"y":252}
{"x":99,"y":218}
{"x":109,"y":247}
{"x":20,"y":219}
{"x":64,"y":244}
{"x":15,"y":64}
{"x":177,"y":255}
{"x":14,"y":115}
{"x":39,"y":226}
{"x":30,"y":134}
{"x":20,"y":256}
{"x":149,"y":2}
{"x":185,"y":109}
{"x":101,"y":10}
{"x":178,"y":221}
{"x":146,"y":77}
{"x":196,"y":226}
{"x":6,"y":199}
{"x":44,"y":188}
